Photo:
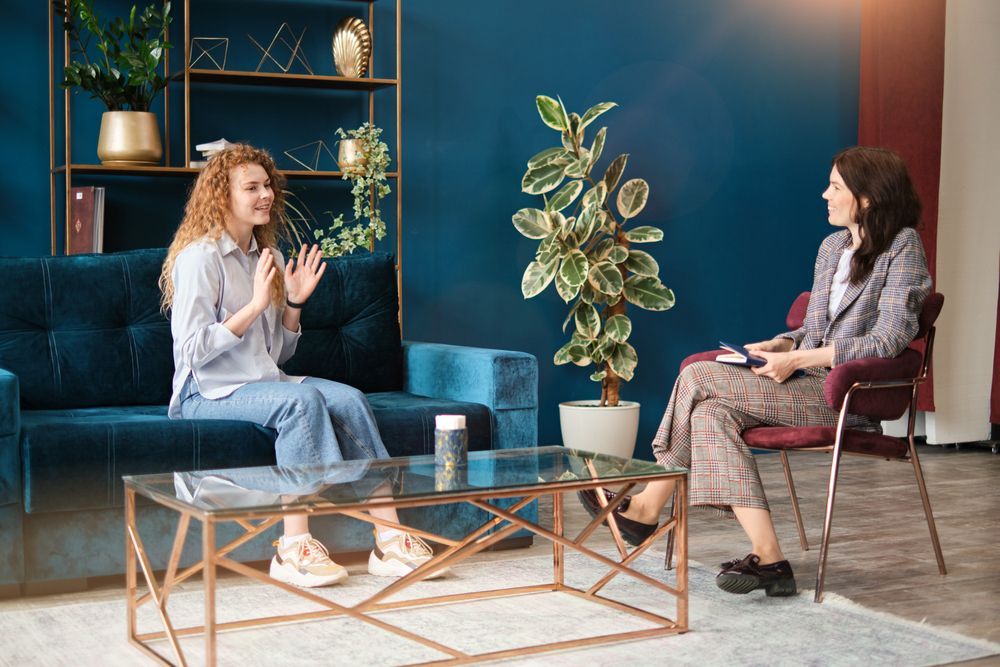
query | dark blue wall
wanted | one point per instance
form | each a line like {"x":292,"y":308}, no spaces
{"x":730,"y":109}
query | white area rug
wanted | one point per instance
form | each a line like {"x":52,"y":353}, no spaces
{"x":725,"y":629}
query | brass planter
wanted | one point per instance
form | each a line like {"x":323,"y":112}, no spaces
{"x":351,"y":157}
{"x":129,"y":138}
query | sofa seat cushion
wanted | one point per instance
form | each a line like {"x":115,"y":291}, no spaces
{"x":406,"y":421}
{"x":75,"y":459}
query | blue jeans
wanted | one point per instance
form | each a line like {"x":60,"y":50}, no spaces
{"x":318,"y":421}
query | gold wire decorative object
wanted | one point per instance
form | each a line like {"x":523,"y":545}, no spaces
{"x":352,"y":47}
{"x":208,"y":47}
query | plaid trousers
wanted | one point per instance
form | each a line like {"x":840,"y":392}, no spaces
{"x":711,"y":405}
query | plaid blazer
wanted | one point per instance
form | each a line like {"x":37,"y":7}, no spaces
{"x":877,"y":317}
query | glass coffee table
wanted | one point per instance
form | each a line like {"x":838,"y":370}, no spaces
{"x":257,"y":498}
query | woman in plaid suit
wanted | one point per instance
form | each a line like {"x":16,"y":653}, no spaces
{"x":869,"y":285}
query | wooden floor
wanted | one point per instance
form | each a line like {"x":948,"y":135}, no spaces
{"x":880,"y":555}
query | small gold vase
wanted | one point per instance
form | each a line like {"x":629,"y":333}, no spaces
{"x":351,"y":156}
{"x":129,"y":138}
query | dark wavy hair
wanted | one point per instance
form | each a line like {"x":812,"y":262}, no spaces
{"x":880,"y":176}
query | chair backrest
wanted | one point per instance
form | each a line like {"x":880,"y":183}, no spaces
{"x":797,"y":313}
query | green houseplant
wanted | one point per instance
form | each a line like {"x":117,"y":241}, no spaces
{"x":585,"y":246}
{"x":364,"y":164}
{"x":119,"y":64}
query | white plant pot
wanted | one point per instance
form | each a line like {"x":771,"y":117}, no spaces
{"x":587,"y":426}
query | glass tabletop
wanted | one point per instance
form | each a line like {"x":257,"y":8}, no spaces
{"x":402,"y":478}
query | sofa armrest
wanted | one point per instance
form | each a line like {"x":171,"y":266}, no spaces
{"x":498,"y":379}
{"x":10,"y":435}
{"x":505,"y":382}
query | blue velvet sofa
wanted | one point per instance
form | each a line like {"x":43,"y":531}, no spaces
{"x":85,"y":373}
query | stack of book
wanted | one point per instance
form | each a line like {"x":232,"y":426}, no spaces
{"x":86,"y":220}
{"x":210,"y":149}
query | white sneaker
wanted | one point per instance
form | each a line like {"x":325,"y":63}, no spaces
{"x":305,"y":563}
{"x":399,"y":555}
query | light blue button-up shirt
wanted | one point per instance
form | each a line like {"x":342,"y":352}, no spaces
{"x":212,"y":280}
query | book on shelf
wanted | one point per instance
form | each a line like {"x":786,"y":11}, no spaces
{"x":212,"y":147}
{"x":86,"y":220}
{"x":740,"y":356}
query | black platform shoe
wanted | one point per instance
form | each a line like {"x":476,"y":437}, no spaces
{"x":743,"y":576}
{"x":633,"y":532}
{"x":588,"y":498}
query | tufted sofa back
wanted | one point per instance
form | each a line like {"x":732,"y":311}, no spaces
{"x":86,"y":330}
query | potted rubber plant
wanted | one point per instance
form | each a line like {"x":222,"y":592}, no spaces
{"x":586,"y":233}
{"x":119,"y":64}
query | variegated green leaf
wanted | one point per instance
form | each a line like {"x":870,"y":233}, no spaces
{"x":632,"y":198}
{"x":601,"y":251}
{"x":588,"y":322}
{"x":624,"y":360}
{"x":614,"y":171}
{"x":552,"y":112}
{"x":607,"y":224}
{"x":595,"y":111}
{"x":618,"y":254}
{"x":605,"y":278}
{"x":571,"y":352}
{"x":605,"y":347}
{"x":537,"y":277}
{"x":567,"y":142}
{"x":574,"y":268}
{"x":587,"y":293}
{"x":596,"y":195}
{"x":542,"y":180}
{"x":566,"y":291}
{"x":566,"y":195}
{"x":598,"y":376}
{"x":586,"y":224}
{"x":579,"y":168}
{"x":550,"y":248}
{"x":572,"y":312}
{"x":644,"y":234}
{"x":641,"y":263}
{"x":532,"y":223}
{"x":574,"y":124}
{"x":598,"y":146}
{"x":549,"y":156}
{"x":618,"y":328}
{"x":648,"y":293}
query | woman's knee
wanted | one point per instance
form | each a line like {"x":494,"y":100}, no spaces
{"x":306,"y":401}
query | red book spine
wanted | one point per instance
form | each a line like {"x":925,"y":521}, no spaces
{"x":81,"y":221}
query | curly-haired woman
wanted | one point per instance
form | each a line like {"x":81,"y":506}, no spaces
{"x":869,"y":286}
{"x":235,"y":307}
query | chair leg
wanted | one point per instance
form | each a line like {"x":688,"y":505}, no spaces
{"x":919,"y":474}
{"x":795,"y":500}
{"x":669,"y":556}
{"x":827,"y":523}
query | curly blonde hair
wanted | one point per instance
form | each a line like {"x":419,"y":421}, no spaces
{"x":207,"y":210}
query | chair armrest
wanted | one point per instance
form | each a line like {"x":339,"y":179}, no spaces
{"x":879,"y":401}
{"x":498,"y":379}
{"x":10,"y":435}
{"x":700,"y":356}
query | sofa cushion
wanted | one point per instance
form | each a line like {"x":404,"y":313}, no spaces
{"x":85,"y":330}
{"x":350,"y":327}
{"x":406,"y":421}
{"x":75,"y":459}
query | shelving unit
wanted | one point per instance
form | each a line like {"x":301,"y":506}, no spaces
{"x":66,"y":168}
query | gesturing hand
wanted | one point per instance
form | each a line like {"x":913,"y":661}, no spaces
{"x":262,"y":280}
{"x":302,"y":275}
{"x":779,"y":367}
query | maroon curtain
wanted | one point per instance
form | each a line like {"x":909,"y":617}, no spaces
{"x":995,"y":394}
{"x":900,"y":99}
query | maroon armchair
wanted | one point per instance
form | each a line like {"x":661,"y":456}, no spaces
{"x":881,"y":389}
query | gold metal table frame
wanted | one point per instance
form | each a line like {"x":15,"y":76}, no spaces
{"x":504,"y":522}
